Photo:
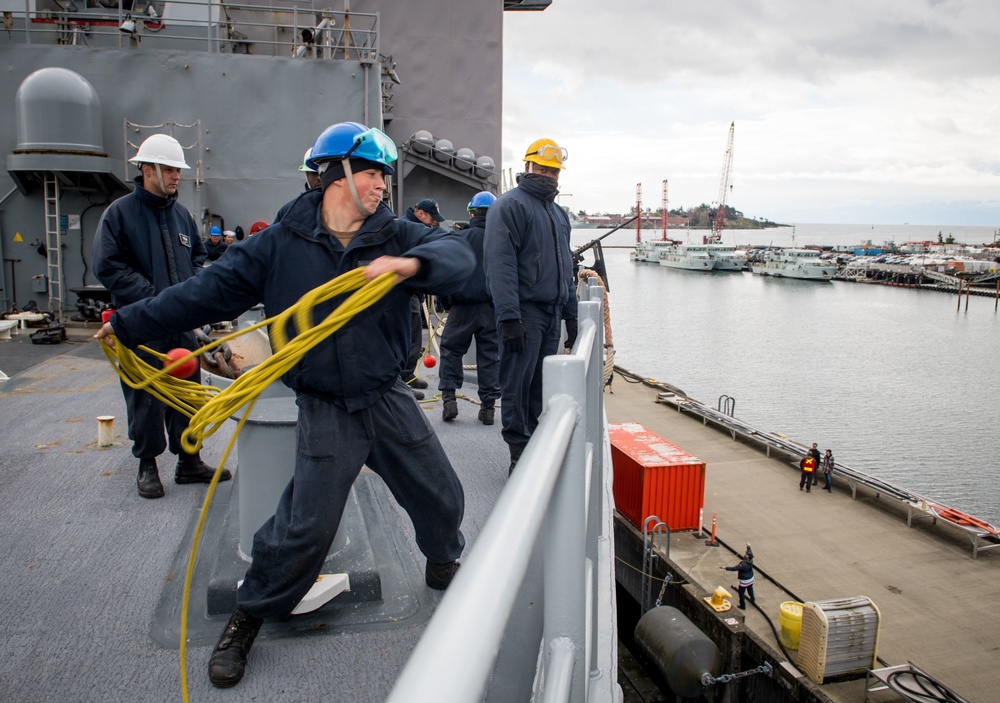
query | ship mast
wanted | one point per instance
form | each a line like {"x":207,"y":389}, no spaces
{"x":663,"y":211}
{"x":638,"y":212}
{"x":724,"y":187}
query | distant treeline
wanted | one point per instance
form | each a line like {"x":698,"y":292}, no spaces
{"x":700,"y":217}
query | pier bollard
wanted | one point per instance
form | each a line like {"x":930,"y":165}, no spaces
{"x":105,"y":430}
{"x":712,"y":542}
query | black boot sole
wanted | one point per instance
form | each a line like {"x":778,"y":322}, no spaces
{"x":202,"y":479}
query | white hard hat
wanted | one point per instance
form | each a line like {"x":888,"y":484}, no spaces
{"x":160,"y":149}
{"x":305,"y":162}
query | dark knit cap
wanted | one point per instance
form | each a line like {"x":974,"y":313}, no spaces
{"x":335,"y":171}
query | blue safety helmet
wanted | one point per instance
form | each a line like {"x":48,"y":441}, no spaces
{"x":352,"y":140}
{"x":482,"y":200}
{"x":214,"y":232}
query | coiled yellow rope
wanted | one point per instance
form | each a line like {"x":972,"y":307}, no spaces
{"x":209,"y":407}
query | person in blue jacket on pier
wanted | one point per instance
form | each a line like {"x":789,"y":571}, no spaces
{"x":744,"y":572}
{"x":353,"y":407}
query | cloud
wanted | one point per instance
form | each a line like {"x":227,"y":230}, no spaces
{"x":887,"y":100}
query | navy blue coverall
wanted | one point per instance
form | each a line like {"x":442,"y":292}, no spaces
{"x":144,"y":244}
{"x":471,"y":316}
{"x":354,"y":409}
{"x":529,"y":270}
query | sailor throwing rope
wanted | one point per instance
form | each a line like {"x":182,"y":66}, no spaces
{"x":354,"y":409}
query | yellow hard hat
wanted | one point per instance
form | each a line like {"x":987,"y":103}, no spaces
{"x":545,"y":152}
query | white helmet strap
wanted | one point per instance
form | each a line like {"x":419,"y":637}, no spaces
{"x":354,"y":191}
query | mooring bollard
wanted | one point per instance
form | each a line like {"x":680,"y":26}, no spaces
{"x":105,"y":430}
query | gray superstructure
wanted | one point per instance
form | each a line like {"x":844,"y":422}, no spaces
{"x":245,"y":89}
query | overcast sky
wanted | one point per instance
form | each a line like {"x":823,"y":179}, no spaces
{"x":856,"y":111}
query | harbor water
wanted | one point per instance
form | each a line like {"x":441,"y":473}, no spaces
{"x":895,"y":381}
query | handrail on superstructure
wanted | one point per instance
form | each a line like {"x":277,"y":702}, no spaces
{"x":294,"y":28}
{"x":557,"y":494}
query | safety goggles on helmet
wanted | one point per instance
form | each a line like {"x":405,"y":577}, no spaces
{"x":549,"y":152}
{"x":373,"y":145}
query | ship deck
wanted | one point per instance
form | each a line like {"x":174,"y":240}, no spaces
{"x":87,"y":565}
{"x":937,"y":603}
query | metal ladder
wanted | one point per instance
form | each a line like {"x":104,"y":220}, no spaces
{"x":53,"y":250}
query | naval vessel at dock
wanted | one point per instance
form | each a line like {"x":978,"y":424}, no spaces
{"x":93,"y":575}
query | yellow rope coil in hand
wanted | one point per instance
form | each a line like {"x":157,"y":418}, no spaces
{"x":209,"y":408}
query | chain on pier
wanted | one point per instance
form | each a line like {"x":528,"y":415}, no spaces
{"x":708,"y":680}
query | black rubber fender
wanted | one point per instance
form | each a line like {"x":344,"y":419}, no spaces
{"x":678,"y":650}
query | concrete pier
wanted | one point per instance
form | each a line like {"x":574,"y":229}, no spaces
{"x":938,"y":605}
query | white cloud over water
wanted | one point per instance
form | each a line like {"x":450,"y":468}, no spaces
{"x":881,"y":111}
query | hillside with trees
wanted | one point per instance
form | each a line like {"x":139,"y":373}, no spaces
{"x":700,"y":217}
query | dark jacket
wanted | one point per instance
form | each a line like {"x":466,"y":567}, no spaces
{"x":357,"y":364}
{"x":475,"y":290}
{"x":145,"y":244}
{"x":283,"y":210}
{"x":411,"y":216}
{"x":744,"y":569}
{"x":527,"y":254}
{"x":215,"y":250}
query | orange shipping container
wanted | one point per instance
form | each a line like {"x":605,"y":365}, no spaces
{"x":655,"y":477}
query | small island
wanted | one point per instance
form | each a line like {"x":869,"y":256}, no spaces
{"x":700,"y":217}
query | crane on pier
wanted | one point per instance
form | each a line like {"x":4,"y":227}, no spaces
{"x":725,"y":186}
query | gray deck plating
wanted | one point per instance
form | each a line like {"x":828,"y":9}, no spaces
{"x":87,"y":565}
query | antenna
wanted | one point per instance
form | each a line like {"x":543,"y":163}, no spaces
{"x":638,"y":211}
{"x":664,"y":216}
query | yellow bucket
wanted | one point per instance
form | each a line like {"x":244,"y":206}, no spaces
{"x":790,"y":617}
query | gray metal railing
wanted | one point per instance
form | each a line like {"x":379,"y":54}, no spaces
{"x":558,"y":497}
{"x":288,"y":28}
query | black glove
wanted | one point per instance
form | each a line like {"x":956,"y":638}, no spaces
{"x":571,"y":330}
{"x":513,"y":335}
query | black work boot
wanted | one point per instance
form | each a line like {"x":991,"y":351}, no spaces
{"x":229,"y":658}
{"x":438,"y":576}
{"x":516,"y":450}
{"x":450,"y":411}
{"x":486,"y":412}
{"x":191,"y":469}
{"x":148,"y":479}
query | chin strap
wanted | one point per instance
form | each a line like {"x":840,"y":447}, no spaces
{"x":354,"y":191}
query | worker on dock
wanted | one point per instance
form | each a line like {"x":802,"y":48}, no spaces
{"x":808,"y":468}
{"x":827,"y":466}
{"x":744,"y":572}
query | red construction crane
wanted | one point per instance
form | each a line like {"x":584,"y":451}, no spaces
{"x":724,"y":187}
